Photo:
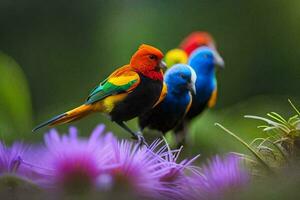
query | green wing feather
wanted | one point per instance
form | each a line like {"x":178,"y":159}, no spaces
{"x":107,"y":88}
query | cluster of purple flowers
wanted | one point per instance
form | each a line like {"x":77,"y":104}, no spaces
{"x":102,"y":162}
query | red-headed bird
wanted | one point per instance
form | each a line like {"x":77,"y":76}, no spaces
{"x":191,"y":42}
{"x":127,"y":93}
{"x":195,"y":40}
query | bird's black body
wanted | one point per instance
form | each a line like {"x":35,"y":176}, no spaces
{"x":160,"y":119}
{"x":137,"y":102}
{"x":195,"y":110}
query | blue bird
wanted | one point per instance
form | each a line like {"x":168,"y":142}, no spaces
{"x":204,"y":61}
{"x":180,"y":81}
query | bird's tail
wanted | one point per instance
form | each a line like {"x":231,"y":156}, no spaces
{"x":72,"y":115}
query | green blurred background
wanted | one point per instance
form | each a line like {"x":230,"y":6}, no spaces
{"x":54,"y":52}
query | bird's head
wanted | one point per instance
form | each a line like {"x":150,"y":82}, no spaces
{"x":197,"y":39}
{"x":148,"y":61}
{"x":205,"y":59}
{"x":175,"y":56}
{"x":181,"y":77}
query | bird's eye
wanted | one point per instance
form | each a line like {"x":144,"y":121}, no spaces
{"x":152,"y":57}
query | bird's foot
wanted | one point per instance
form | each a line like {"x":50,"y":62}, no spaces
{"x":140,"y":139}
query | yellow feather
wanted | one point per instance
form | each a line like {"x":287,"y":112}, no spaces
{"x":176,"y":56}
{"x":163,"y":94}
{"x":189,"y":105}
{"x":213,"y":99}
{"x":125,"y":78}
{"x":107,"y":104}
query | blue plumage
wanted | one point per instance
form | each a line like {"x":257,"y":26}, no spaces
{"x":180,"y":80}
{"x":203,"y":60}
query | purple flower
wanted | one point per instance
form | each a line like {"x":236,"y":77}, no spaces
{"x":75,"y":163}
{"x":218,"y":178}
{"x":174,"y":176}
{"x":139,"y":169}
{"x":11,"y":160}
{"x":151,"y":173}
{"x":101,"y":162}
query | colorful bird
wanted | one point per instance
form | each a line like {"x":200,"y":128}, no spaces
{"x":127,"y":93}
{"x":175,"y":56}
{"x":188,"y":45}
{"x":195,"y":40}
{"x":180,"y":81}
{"x":203,"y":60}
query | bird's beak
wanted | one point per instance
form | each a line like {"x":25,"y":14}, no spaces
{"x":218,"y":61}
{"x":162,"y":65}
{"x":192,"y":88}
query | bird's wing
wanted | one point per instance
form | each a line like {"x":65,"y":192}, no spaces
{"x":163,"y":94}
{"x":213,"y":99}
{"x":123,"y":80}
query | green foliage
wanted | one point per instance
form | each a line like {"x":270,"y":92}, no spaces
{"x":279,"y":147}
{"x":15,"y":101}
{"x":282,"y":133}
